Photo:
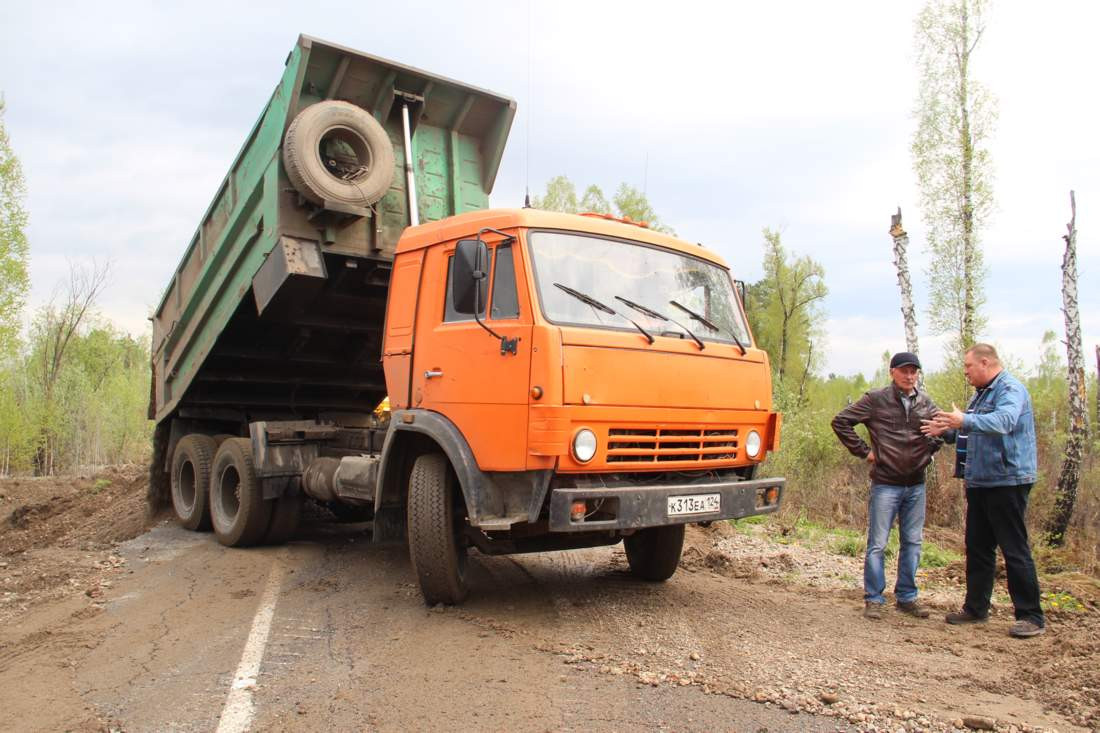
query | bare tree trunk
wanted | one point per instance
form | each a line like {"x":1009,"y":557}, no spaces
{"x":1098,"y":385}
{"x":909,"y":317}
{"x":1066,"y":493}
{"x":783,"y":336}
{"x":901,"y":262}
{"x":805,"y":373}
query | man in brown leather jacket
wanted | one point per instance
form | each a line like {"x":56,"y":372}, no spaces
{"x":898,"y":455}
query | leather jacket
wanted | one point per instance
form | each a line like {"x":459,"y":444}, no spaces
{"x":901,"y":451}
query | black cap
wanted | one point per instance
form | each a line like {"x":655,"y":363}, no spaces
{"x":904,"y":358}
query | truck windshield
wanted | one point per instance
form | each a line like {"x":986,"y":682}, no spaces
{"x":649,"y":276}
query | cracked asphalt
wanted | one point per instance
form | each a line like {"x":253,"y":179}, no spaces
{"x":351,"y":647}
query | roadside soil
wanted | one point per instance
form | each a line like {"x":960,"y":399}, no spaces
{"x":106,"y":625}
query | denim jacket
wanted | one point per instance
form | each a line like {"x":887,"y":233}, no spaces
{"x":1000,"y":445}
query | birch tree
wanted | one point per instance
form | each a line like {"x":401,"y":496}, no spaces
{"x":901,"y":262}
{"x":1066,"y":492}
{"x":955,"y":116}
{"x":14,"y":280}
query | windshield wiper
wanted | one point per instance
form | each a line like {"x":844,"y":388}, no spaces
{"x":585,"y":298}
{"x":600,"y":306}
{"x":650,"y":312}
{"x":695,"y":316}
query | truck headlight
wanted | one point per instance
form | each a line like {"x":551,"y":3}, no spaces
{"x":752,"y":444}
{"x":584,"y":445}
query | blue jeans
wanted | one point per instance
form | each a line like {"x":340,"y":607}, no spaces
{"x":906,"y":503}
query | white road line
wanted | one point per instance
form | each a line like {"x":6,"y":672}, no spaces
{"x":237,"y":713}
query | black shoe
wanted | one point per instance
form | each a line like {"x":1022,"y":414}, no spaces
{"x":964,"y":617}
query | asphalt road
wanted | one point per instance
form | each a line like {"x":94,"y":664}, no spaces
{"x":330,"y":633}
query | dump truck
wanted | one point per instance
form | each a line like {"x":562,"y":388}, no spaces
{"x":352,"y":326}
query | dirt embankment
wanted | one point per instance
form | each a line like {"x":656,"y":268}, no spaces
{"x":57,"y":533}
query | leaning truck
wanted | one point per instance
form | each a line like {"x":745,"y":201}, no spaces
{"x":352,"y":326}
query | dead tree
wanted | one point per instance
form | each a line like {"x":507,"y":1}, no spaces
{"x":909,"y":319}
{"x":908,"y":312}
{"x":1066,"y":493}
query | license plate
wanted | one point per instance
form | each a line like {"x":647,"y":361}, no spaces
{"x":694,"y":504}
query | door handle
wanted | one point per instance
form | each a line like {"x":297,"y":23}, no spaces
{"x":433,"y":373}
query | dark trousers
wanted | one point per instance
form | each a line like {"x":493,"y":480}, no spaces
{"x":995,"y":517}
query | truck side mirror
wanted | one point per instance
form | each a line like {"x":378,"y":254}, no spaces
{"x":471,"y":257}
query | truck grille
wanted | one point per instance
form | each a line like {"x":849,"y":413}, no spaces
{"x":662,"y":445}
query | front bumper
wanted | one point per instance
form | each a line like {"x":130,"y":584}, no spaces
{"x":647,"y":506}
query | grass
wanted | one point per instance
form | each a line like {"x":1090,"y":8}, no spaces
{"x":842,"y":541}
{"x":100,"y":484}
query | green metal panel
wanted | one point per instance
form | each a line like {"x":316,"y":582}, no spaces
{"x":459,"y":138}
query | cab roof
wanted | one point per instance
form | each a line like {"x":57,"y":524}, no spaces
{"x":468,"y":225}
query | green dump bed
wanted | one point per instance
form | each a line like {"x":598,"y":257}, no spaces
{"x":277,"y":307}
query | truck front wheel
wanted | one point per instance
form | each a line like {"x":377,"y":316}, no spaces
{"x":438,"y":557}
{"x":190,"y":481}
{"x":240,"y":514}
{"x":654,"y":552}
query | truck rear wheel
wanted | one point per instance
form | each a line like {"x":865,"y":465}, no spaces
{"x":654,"y":552}
{"x":336,"y":151}
{"x":240,"y":515}
{"x":437,"y":555}
{"x":190,"y":481}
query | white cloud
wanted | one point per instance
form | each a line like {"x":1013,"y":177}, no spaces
{"x":794,"y":115}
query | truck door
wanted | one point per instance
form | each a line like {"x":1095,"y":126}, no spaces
{"x":459,"y":369}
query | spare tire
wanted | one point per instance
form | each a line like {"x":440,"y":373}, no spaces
{"x":335,"y":151}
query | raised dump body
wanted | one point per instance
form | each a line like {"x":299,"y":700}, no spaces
{"x":277,"y":307}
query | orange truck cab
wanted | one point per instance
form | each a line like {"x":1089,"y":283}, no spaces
{"x":562,"y":381}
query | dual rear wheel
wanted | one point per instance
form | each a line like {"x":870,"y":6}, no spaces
{"x":215,"y":486}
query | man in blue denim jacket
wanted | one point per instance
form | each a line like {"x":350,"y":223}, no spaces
{"x":996,"y":458}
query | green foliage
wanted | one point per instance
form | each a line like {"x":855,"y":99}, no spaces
{"x":91,"y":414}
{"x":785,"y":313}
{"x":955,"y":118}
{"x":629,"y":202}
{"x":100,"y":484}
{"x":561,"y":195}
{"x":1060,"y":602}
{"x":14,"y":250}
{"x":594,"y":200}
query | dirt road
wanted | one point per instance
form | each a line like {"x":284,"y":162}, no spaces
{"x":170,"y":631}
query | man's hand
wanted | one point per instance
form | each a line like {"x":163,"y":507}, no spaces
{"x":871,"y":457}
{"x":930,"y":430}
{"x":947,"y":420}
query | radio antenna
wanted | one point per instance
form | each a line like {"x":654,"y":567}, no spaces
{"x":530,"y":109}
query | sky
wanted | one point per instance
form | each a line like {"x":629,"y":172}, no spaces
{"x":731,"y":117}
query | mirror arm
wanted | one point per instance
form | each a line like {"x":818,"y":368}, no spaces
{"x":507,"y":345}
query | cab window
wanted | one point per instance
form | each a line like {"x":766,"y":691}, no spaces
{"x":505,"y":303}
